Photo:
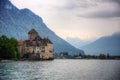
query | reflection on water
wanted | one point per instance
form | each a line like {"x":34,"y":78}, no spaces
{"x":61,"y":70}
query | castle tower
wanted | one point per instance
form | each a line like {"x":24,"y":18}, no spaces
{"x":32,"y":34}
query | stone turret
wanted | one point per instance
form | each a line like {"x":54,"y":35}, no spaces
{"x":20,"y":46}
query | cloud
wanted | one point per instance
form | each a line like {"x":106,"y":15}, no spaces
{"x":104,"y":9}
{"x":72,"y":5}
{"x":91,"y":8}
{"x":101,"y":13}
{"x":78,"y":8}
{"x":116,"y":1}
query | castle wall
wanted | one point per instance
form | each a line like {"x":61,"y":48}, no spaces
{"x":44,"y":52}
{"x":49,"y":51}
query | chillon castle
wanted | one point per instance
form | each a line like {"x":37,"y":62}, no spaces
{"x":35,"y":47}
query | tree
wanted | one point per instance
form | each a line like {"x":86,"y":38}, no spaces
{"x":108,"y":56}
{"x":102,"y":56}
{"x":8,"y":48}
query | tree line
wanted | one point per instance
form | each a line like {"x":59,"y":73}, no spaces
{"x":8,"y":48}
{"x":66,"y":55}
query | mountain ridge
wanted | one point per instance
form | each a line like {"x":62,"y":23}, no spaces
{"x":107,"y":44}
{"x":16,"y":23}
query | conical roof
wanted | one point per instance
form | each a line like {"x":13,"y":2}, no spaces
{"x":32,"y":31}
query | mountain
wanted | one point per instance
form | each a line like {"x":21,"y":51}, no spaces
{"x":16,"y":23}
{"x":77,"y":42}
{"x":107,"y":44}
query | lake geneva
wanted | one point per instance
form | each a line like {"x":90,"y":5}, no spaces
{"x":61,"y":69}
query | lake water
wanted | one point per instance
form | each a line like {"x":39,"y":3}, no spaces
{"x":66,"y":69}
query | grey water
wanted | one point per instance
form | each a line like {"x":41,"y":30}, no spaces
{"x":64,"y":69}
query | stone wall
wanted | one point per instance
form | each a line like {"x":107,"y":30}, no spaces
{"x":44,"y":52}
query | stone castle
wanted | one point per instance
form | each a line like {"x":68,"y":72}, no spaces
{"x":35,"y":47}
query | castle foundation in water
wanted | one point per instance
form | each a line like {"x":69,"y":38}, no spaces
{"x":35,"y":47}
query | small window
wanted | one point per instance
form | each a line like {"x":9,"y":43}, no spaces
{"x":50,"y":51}
{"x":43,"y":51}
{"x":43,"y":47}
{"x":37,"y":51}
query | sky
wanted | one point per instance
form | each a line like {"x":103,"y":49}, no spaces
{"x":77,"y":21}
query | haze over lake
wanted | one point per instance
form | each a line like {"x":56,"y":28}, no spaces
{"x":61,"y":70}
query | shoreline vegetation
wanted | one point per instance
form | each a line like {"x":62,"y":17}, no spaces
{"x":9,"y":52}
{"x":8,"y":48}
{"x":65,"y":55}
{"x":86,"y":57}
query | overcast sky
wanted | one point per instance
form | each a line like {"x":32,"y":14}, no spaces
{"x":77,"y":21}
